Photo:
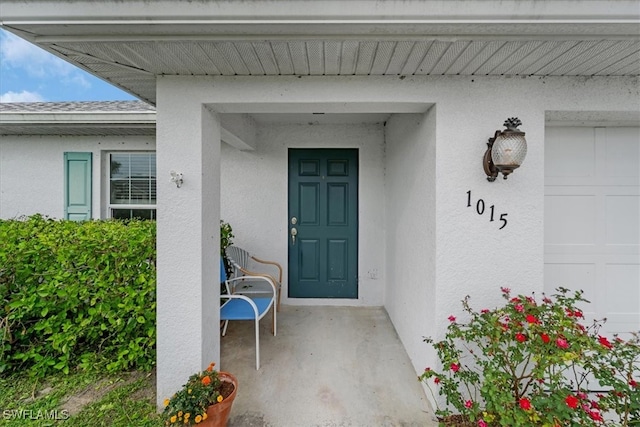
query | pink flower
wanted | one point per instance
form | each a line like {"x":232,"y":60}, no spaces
{"x":519,"y":307}
{"x":562,"y":343}
{"x":521,"y":337}
{"x":427,"y":369}
{"x":482,"y":423}
{"x":468,"y":404}
{"x":514,"y":299}
{"x":455,"y":367}
{"x":505,"y":290}
{"x":452,"y":318}
{"x":604,"y":342}
{"x":484,"y":311}
{"x":525,"y":403}
{"x":547,"y":300}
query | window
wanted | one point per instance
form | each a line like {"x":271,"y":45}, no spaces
{"x":132,"y":185}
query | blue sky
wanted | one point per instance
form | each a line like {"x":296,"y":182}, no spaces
{"x":30,"y":74}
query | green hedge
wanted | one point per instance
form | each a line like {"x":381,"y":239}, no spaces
{"x":77,"y":294}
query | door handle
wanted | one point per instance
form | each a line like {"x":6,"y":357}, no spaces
{"x":294,"y":233}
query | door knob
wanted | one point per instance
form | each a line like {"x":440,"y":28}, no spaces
{"x":294,"y":233}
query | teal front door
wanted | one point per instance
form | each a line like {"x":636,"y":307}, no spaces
{"x":323,"y":223}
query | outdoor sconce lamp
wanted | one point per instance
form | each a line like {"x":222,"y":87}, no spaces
{"x":505,"y":151}
{"x":176,"y":178}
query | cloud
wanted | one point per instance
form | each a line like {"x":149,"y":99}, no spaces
{"x":24,"y":96}
{"x":20,"y":54}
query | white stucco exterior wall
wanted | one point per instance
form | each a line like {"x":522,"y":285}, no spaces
{"x":254,"y":197}
{"x":32,"y":171}
{"x":410,"y":200}
{"x":188,"y":240}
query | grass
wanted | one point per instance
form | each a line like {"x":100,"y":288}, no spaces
{"x":78,"y":400}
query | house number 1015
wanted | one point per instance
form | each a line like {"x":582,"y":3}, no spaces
{"x":480,"y":210}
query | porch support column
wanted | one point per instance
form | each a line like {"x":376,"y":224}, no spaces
{"x":188,"y":239}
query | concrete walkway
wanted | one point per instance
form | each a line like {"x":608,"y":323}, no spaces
{"x":328,"y":366}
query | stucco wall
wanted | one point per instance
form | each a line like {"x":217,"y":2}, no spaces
{"x":32,"y":171}
{"x":254,"y":197}
{"x":411,"y":228}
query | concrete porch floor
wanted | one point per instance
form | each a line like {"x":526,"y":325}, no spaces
{"x":328,"y":366}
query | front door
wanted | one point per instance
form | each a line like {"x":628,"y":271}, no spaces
{"x":323,"y":223}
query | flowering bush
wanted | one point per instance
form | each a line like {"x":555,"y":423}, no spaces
{"x":189,"y":405}
{"x":531,"y":363}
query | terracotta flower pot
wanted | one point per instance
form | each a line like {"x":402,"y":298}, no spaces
{"x":218,"y":414}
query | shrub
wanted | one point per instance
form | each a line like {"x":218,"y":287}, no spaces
{"x":531,"y":363}
{"x":77,"y":294}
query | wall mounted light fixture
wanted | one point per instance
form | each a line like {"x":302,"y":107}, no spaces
{"x":176,"y":177}
{"x":505,"y":151}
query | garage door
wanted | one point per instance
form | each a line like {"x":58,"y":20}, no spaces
{"x":592,"y":220}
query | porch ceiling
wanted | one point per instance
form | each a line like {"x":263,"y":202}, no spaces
{"x":130,"y":53}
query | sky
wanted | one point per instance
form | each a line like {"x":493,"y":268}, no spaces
{"x":30,"y":74}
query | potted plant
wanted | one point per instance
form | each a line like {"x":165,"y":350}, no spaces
{"x":205,"y":400}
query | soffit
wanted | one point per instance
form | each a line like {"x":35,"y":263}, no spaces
{"x":131,"y":52}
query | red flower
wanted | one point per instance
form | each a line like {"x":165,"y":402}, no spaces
{"x":562,"y":343}
{"x":484,"y":311}
{"x":547,"y":300}
{"x":545,"y":338}
{"x":521,"y":337}
{"x":532,"y":319}
{"x":595,"y":415}
{"x":525,"y":404}
{"x":505,"y":290}
{"x":604,"y":342}
{"x":206,"y":380}
{"x":455,"y":367}
{"x":468,"y":404}
{"x":572,"y":401}
{"x":452,"y":318}
{"x":633,"y":383}
{"x":578,"y":314}
{"x":436,"y":380}
{"x":514,"y":299}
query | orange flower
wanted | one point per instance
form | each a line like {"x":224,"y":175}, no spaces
{"x":206,"y":380}
{"x":198,"y":419}
{"x":211,"y":365}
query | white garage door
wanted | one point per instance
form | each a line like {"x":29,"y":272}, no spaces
{"x":592,"y":220}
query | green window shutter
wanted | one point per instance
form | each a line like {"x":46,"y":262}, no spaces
{"x":77,"y":186}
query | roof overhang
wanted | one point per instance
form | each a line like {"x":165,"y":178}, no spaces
{"x":115,"y":118}
{"x":129,"y":43}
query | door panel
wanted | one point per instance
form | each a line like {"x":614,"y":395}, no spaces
{"x":323,"y":199}
{"x":592,"y":220}
{"x":77,"y":186}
